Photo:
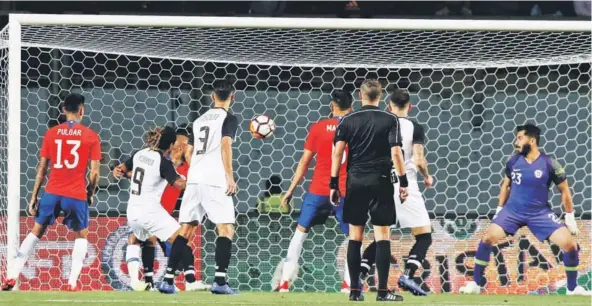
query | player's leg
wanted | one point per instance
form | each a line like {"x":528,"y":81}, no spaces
{"x":148,"y":256}
{"x":308,"y":212}
{"x":189,"y":214}
{"x":219,"y":208}
{"x":413,"y":214}
{"x":355,"y":213}
{"x":77,"y":219}
{"x":382,"y":209}
{"x":132,"y":259}
{"x":547,"y":226}
{"x":338,"y":212}
{"x":49,"y":208}
{"x":505,"y":223}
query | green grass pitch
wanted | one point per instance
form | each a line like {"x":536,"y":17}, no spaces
{"x":266,"y":298}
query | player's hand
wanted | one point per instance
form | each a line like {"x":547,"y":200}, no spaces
{"x":570,"y":222}
{"x":286,"y":199}
{"x":335,"y":197}
{"x":33,"y":206}
{"x":231,"y":186}
{"x":428,"y":181}
{"x":403,"y":194}
{"x":497,"y":211}
{"x":118,"y":171}
{"x":90,"y":199}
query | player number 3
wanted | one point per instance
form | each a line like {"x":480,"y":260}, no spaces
{"x":74,"y":152}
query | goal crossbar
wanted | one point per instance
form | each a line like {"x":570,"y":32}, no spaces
{"x":305,"y":23}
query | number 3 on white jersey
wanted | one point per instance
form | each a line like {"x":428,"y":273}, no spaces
{"x":73,"y":152}
{"x":344,"y":154}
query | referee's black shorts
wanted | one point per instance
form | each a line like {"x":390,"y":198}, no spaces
{"x":369,"y":193}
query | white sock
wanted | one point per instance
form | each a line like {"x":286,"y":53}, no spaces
{"x":23,"y":254}
{"x":294,"y":250}
{"x":78,"y":255}
{"x":346,"y":273}
{"x":132,"y":257}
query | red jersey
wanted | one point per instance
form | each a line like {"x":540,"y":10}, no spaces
{"x":68,"y":147}
{"x":171,"y":194}
{"x":320,"y":141}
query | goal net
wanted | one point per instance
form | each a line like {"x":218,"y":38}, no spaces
{"x":471,"y":83}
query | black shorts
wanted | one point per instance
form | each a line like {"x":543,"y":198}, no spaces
{"x":369,"y":193}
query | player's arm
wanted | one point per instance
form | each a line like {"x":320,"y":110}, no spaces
{"x":168,"y":172}
{"x":307,"y":156}
{"x":396,"y":152}
{"x":95,"y":163}
{"x":301,"y":169}
{"x":340,"y":141}
{"x":39,"y":179}
{"x":559,"y":178}
{"x":418,"y":153}
{"x":124,"y":168}
{"x":229,"y":128}
{"x":44,"y":158}
{"x":504,"y":192}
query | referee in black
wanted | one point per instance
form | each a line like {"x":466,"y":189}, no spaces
{"x":374,"y":140}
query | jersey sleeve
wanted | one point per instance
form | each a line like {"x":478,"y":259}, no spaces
{"x":510,"y":165}
{"x":95,"y":149}
{"x":229,"y":126}
{"x":557,"y":172}
{"x":342,"y":131}
{"x":167,"y":171}
{"x":45,"y":150}
{"x":129,"y":163}
{"x":311,"y":139}
{"x":395,"y":134}
{"x":418,"y":134}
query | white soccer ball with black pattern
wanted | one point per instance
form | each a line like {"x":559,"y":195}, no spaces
{"x":262,"y":127}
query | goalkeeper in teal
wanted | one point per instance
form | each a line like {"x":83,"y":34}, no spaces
{"x":523,"y":201}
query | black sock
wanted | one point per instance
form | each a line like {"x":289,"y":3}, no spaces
{"x":368,"y":258}
{"x":417,"y":254}
{"x":223,"y":248}
{"x":148,"y":263}
{"x":383,"y":256}
{"x":188,"y":268}
{"x":353,"y":264}
{"x":175,"y":257}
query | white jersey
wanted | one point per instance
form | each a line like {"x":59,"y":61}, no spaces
{"x":411,"y":133}
{"x":150,"y":174}
{"x":206,"y":163}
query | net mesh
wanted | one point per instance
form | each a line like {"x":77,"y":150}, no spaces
{"x":327,"y":48}
{"x":469,"y":114}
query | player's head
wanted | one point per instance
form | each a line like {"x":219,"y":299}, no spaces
{"x":527,"y":138}
{"x":74,"y":105}
{"x":181,"y":141}
{"x":223,"y":93}
{"x":162,"y":138}
{"x":399,"y":101}
{"x":370,"y":92}
{"x":341,"y":103}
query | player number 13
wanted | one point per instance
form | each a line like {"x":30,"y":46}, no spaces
{"x":73,"y":151}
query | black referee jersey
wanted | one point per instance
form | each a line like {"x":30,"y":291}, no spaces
{"x":370,"y":133}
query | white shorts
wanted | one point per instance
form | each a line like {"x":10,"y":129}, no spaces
{"x":412,"y":213}
{"x":151,"y":221}
{"x":200,"y":200}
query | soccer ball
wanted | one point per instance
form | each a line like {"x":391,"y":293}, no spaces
{"x":262,"y":127}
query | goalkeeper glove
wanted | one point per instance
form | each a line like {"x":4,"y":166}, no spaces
{"x":570,"y":222}
{"x":497,"y":211}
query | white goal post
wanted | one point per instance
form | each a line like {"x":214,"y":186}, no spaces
{"x":451,"y":51}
